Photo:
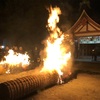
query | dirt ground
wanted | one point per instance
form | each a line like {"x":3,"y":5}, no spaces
{"x":85,"y":87}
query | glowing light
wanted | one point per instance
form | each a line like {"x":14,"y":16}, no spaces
{"x":2,"y":47}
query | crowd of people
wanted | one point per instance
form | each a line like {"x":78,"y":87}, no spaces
{"x":4,"y":50}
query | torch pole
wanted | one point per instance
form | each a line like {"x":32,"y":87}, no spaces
{"x":21,"y":87}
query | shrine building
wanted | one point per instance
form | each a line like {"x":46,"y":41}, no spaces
{"x":86,"y":34}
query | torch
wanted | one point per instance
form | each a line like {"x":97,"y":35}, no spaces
{"x":21,"y":87}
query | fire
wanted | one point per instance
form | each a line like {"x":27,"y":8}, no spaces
{"x":14,"y":59}
{"x":57,"y":55}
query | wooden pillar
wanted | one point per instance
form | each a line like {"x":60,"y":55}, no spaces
{"x":78,"y":48}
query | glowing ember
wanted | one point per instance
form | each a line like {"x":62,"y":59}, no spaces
{"x":57,"y":55}
{"x":14,"y":59}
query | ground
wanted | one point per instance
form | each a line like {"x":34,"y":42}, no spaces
{"x":86,"y":86}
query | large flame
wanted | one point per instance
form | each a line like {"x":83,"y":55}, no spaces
{"x":57,"y":55}
{"x":14,"y":59}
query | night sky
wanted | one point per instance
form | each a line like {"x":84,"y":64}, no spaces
{"x":23,"y":22}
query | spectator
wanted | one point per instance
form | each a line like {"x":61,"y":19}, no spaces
{"x":94,"y":54}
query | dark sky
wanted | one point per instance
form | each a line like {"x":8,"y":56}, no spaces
{"x":24,"y":21}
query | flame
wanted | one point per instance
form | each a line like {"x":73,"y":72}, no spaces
{"x":14,"y":59}
{"x":57,"y":55}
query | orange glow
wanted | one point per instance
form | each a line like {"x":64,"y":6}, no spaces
{"x":56,"y":52}
{"x":14,"y":59}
